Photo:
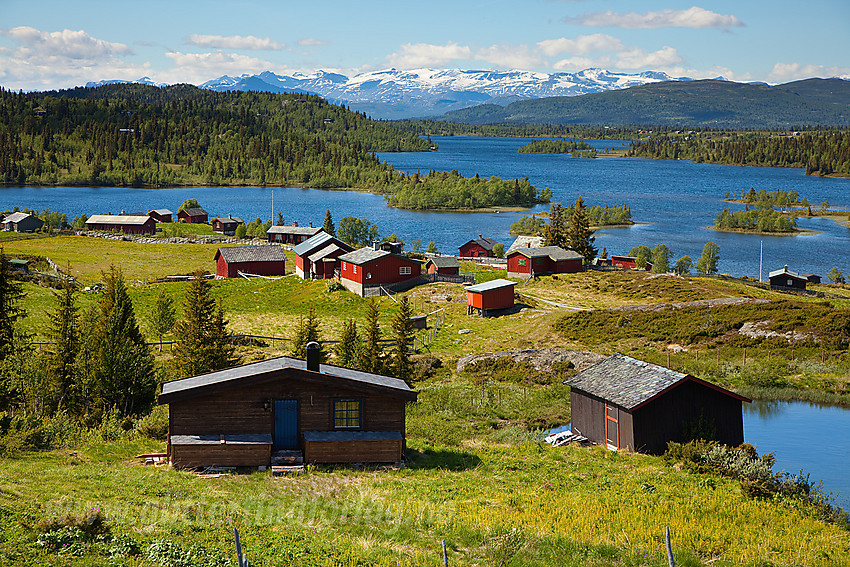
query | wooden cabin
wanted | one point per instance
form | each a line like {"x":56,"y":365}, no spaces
{"x":127,"y":224}
{"x":242,"y":416}
{"x":542,"y":260}
{"x":317,"y":257}
{"x":523,"y":241}
{"x":226,"y":225}
{"x":786,"y":280}
{"x":811,"y":278}
{"x":161,"y":215}
{"x":627,"y":263}
{"x":478,"y":248}
{"x":195,"y":215}
{"x":629,"y":404}
{"x":445,"y":265}
{"x":292,"y":234}
{"x":368,"y":268}
{"x":265,"y":260}
{"x":487,"y":297}
{"x":22,"y":222}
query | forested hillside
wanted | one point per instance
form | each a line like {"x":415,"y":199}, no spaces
{"x":143,"y":136}
{"x":820,"y":153}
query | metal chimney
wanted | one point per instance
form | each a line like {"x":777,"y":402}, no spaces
{"x":313,"y":352}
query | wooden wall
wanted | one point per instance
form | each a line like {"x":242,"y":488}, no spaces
{"x":353,"y":451}
{"x":588,"y":416}
{"x":195,"y":456}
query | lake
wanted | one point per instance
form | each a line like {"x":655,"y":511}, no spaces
{"x":674,"y":202}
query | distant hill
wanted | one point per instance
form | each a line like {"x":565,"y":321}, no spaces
{"x":707,"y":103}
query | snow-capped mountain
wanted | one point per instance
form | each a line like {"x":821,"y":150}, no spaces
{"x":142,"y":81}
{"x":416,"y":93}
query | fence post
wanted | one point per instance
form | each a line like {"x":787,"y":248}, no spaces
{"x":670,"y":561}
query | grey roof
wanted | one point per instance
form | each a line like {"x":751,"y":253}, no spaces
{"x":162,"y":212}
{"x":485,"y":243}
{"x":444,"y":262}
{"x":194,"y":211}
{"x":117,"y":219}
{"x":294,"y":229}
{"x":264,"y":253}
{"x":244,"y":439}
{"x":17,"y":217}
{"x":492,"y":284}
{"x":554,"y":252}
{"x":311,"y":244}
{"x":628,"y":382}
{"x":786,"y":272}
{"x":363,"y":255}
{"x":228,"y":219}
{"x":233,"y":376}
{"x":525,"y":242}
{"x":327,"y":250}
{"x":352,"y":436}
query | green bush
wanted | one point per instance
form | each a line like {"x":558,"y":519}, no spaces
{"x":154,"y":425}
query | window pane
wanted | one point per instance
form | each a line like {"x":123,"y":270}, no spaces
{"x":347,"y":414}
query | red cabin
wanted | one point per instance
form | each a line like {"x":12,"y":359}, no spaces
{"x":445,"y":265}
{"x":195,"y":215}
{"x":489,"y":296}
{"x":317,"y":257}
{"x":161,"y":215}
{"x":256,"y":260}
{"x":531,"y":262}
{"x":128,"y":224}
{"x":292,"y":234}
{"x":478,"y":248}
{"x":627,"y":262}
{"x":226,"y":225}
{"x":369,"y":268}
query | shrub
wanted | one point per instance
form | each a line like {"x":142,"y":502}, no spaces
{"x":154,"y":425}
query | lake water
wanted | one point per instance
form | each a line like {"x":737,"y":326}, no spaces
{"x":803,"y":436}
{"x":673,"y":200}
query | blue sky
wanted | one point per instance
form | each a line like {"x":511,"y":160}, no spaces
{"x":46,"y":44}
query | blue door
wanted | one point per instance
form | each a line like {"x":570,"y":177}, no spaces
{"x":286,"y":424}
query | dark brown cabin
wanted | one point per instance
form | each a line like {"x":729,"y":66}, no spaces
{"x":241,"y":416}
{"x":626,"y":403}
{"x":786,"y":280}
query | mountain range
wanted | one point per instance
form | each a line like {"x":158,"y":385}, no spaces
{"x":421,"y":93}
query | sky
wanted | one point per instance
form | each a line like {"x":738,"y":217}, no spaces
{"x":52,"y":44}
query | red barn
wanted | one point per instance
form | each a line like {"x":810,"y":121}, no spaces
{"x":369,"y":268}
{"x":530,"y":262}
{"x":317,"y":257}
{"x":161,"y":215}
{"x":128,"y":224}
{"x":627,"y":262}
{"x":292,"y":234}
{"x":258,"y":260}
{"x":489,"y":296}
{"x":446,"y":265}
{"x":479,"y":247}
{"x":226,"y":225}
{"x":195,"y":215}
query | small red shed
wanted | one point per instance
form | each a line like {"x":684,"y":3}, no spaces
{"x":369,"y":268}
{"x":627,"y":262}
{"x":479,"y":247}
{"x":489,"y":296}
{"x":446,"y":265}
{"x":530,"y":262}
{"x":195,"y":215}
{"x":226,"y":225}
{"x":161,"y":215}
{"x":258,"y":260}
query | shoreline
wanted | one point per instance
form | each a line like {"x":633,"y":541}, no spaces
{"x":796,"y":232}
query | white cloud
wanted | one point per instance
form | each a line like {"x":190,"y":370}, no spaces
{"x":582,"y":45}
{"x":784,"y":72}
{"x":509,"y":56}
{"x":71,"y":44}
{"x":200,"y":67}
{"x":311,"y":42}
{"x":249,"y":42}
{"x":417,"y":55}
{"x":693,"y":17}
{"x":636,"y":58}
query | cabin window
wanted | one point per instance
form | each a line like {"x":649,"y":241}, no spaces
{"x":790,"y":283}
{"x":522,"y":261}
{"x":344,"y":266}
{"x":346,"y":414}
{"x":404,"y":270}
{"x":354,"y":268}
{"x":368,"y":275}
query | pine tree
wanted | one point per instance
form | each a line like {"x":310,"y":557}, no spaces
{"x":579,"y":236}
{"x":348,"y":348}
{"x":122,"y":367}
{"x":372,"y":359}
{"x":403,"y":331}
{"x":328,"y":225}
{"x":162,"y":316}
{"x":203,"y":343}
{"x":308,"y":332}
{"x":64,"y":334}
{"x":11,"y":294}
{"x":555,"y":232}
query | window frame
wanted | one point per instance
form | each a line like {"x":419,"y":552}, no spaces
{"x":348,"y":414}
{"x":405,"y":270}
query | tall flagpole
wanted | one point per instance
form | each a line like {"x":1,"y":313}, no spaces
{"x":272,"y":217}
{"x":761,"y":256}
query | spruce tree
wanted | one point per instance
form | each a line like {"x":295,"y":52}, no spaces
{"x":308,"y":332}
{"x":403,"y":331}
{"x":348,"y":348}
{"x":162,"y":316}
{"x":64,"y":334}
{"x":371,"y":356}
{"x":11,"y":294}
{"x":328,"y":225}
{"x":555,"y":232}
{"x":203,"y":342}
{"x":579,"y":236}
